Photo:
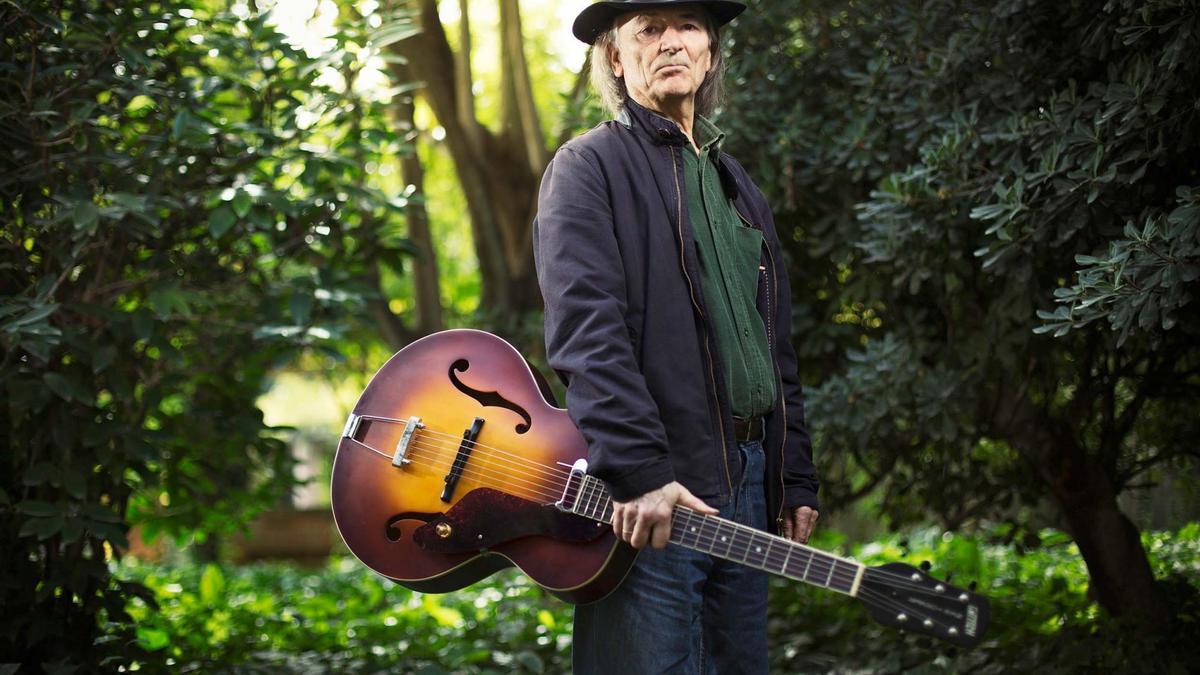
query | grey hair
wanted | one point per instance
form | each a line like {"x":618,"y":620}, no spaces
{"x":611,"y":89}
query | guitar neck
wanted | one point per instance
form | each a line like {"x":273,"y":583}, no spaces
{"x":732,"y":541}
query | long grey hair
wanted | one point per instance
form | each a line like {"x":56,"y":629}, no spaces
{"x":611,"y":88}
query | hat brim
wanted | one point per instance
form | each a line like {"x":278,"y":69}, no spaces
{"x":597,"y":18}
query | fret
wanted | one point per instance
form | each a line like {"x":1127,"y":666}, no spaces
{"x":690,"y":531}
{"x":586,"y":496}
{"x":766,"y":563}
{"x":791,"y":547}
{"x":843,"y":585}
{"x":719,"y":536}
{"x":593,"y":499}
{"x":832,"y":567}
{"x":753,"y":548}
{"x":804,"y":577}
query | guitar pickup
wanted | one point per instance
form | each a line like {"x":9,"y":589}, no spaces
{"x":410,"y":428}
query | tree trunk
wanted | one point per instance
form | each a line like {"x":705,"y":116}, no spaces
{"x":499,"y":173}
{"x":1121,"y":579}
{"x":426,"y":286}
{"x":1120,"y":572}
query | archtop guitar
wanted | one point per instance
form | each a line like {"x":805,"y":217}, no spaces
{"x":454,"y":464}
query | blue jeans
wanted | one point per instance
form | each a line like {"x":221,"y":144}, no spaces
{"x":682,"y":611}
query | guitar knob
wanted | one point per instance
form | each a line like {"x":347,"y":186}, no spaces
{"x":443,"y":530}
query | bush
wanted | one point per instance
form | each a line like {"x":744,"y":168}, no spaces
{"x":345,"y":618}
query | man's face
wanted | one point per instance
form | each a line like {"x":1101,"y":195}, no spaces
{"x":663,"y":53}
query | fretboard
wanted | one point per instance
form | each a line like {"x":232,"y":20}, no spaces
{"x":732,"y":541}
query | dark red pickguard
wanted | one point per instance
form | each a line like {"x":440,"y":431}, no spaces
{"x":485,"y":517}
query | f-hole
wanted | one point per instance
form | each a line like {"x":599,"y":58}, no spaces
{"x":487,"y":398}
{"x":392,"y":530}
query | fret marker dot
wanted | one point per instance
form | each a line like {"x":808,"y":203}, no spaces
{"x":928,"y":622}
{"x":758,"y":549}
{"x":693,"y":528}
{"x":953,"y":631}
{"x":724,"y":539}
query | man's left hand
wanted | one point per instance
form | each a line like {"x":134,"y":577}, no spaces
{"x":798,"y":524}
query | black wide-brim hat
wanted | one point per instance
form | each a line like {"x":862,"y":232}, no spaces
{"x":597,"y":18}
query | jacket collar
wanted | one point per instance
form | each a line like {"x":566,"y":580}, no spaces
{"x":661,"y":130}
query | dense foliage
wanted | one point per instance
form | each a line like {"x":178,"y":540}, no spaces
{"x":345,"y":618}
{"x":185,"y":206}
{"x":995,"y":246}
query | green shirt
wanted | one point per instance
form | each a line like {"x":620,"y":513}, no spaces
{"x":729,"y":254}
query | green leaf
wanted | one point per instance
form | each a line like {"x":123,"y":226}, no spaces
{"x":33,"y":507}
{"x":241,"y":204}
{"x":67,"y":388}
{"x":152,"y":639}
{"x":103,"y":357}
{"x":212,"y":584}
{"x":167,"y":300}
{"x":43,"y":528}
{"x":59,"y":385}
{"x":220,"y":220}
{"x":72,"y":530}
{"x":39,"y":473}
{"x":143,"y":324}
{"x":86,"y":216}
{"x":75,"y":483}
{"x":100,"y":513}
{"x":34,"y":315}
{"x":301,"y":307}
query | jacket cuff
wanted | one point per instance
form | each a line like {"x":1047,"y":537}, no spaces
{"x":795,"y":496}
{"x":640,"y":481}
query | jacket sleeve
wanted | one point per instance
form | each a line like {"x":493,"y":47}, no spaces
{"x":588,"y":343}
{"x":800,"y":482}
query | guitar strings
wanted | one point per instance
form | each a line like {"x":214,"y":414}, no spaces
{"x":553,"y":493}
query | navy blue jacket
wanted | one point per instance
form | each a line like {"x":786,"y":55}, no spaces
{"x":626,"y":324}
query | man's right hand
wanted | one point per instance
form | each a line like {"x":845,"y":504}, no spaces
{"x":648,"y":517}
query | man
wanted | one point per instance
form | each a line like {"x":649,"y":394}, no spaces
{"x":668,"y":317}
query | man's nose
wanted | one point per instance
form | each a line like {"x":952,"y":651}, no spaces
{"x":671,"y":41}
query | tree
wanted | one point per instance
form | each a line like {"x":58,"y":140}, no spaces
{"x":186,"y":205}
{"x":994,"y":220}
{"x":499,"y":170}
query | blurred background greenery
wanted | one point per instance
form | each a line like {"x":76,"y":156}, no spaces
{"x":220,"y":217}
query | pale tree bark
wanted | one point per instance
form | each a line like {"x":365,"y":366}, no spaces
{"x":426,"y":285}
{"x":498,"y":171}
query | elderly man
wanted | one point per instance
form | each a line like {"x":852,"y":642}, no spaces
{"x":668,"y":317}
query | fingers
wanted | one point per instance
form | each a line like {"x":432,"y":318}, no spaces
{"x":803,"y":520}
{"x":647,"y":519}
{"x":691,"y":501}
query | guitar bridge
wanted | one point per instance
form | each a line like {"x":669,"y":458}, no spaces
{"x":410,"y":428}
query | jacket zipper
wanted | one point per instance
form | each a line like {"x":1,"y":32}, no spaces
{"x":772,"y":303}
{"x":712,"y":377}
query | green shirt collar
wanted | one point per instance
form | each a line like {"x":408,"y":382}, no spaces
{"x":708,"y":135}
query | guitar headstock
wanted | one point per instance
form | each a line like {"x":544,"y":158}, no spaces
{"x":905,"y":597}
